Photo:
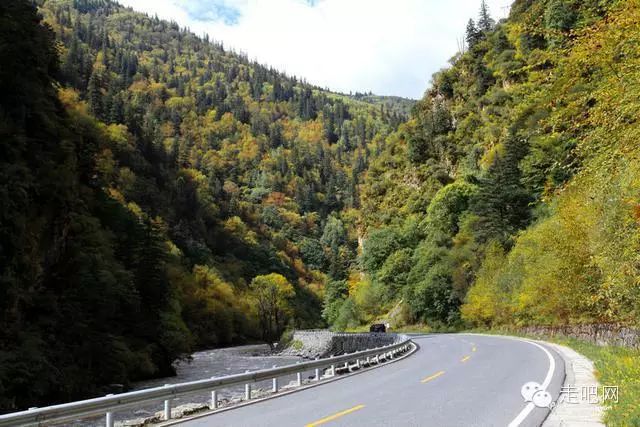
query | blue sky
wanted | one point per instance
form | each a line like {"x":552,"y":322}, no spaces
{"x":390,"y":47}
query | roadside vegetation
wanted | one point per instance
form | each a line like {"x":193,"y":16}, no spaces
{"x":615,"y":366}
{"x":160,"y":194}
{"x":510,"y":197}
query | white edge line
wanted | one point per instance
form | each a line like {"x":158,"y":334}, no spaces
{"x":547,"y":380}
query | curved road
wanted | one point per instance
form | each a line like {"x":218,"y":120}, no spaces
{"x":452,"y":380}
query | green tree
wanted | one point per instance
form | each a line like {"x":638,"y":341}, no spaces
{"x":312,"y":253}
{"x":485,"y":21}
{"x":95,"y":97}
{"x":334,"y":239}
{"x":472,"y":35}
{"x":393,"y":274}
{"x":378,"y":245}
{"x":348,"y":316}
{"x":559,"y":15}
{"x":335,"y":294}
{"x":502,"y":202}
{"x":428,"y":139}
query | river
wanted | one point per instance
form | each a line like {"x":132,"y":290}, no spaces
{"x":206,"y":364}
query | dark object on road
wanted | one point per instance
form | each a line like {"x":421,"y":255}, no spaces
{"x":378,"y":327}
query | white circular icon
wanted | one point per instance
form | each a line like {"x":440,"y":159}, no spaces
{"x":542,"y":399}
{"x":529,"y":389}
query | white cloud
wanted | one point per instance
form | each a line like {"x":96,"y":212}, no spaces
{"x":391,"y":47}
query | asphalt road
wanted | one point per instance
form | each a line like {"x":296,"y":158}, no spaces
{"x":453,"y":380}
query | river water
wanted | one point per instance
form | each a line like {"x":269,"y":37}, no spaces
{"x":207,"y":364}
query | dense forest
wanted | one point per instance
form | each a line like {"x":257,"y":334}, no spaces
{"x":511,"y":197}
{"x":159,"y":193}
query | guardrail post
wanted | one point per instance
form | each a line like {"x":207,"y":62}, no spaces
{"x":247,"y":390}
{"x":167,"y":407}
{"x":107,"y":407}
{"x":108,"y":422}
{"x":214,"y":399}
{"x":274,"y":387}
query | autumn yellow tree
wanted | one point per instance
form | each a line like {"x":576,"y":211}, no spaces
{"x":273,"y":295}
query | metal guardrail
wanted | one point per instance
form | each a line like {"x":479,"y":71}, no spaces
{"x":110,"y":404}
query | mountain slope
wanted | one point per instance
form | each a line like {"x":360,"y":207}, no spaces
{"x":155,"y":187}
{"x":510,"y":196}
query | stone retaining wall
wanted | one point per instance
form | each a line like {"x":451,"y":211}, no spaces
{"x":600,"y":334}
{"x":323,"y":343}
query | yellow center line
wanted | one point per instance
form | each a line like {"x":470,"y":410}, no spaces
{"x":334,"y":416}
{"x":464,"y":359}
{"x":473,"y":349}
{"x":432,"y":377}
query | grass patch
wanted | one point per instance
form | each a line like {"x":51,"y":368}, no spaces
{"x":415,"y":329}
{"x":615,"y":366}
{"x":359,"y":329}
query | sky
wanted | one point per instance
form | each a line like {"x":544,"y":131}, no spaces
{"x":388,"y":47}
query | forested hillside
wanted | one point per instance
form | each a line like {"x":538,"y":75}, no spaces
{"x":511,"y":197}
{"x":160,"y":194}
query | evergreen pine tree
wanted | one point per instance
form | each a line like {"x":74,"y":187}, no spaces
{"x":473,"y":35}
{"x":485,"y":22}
{"x":94,"y":96}
{"x":502,"y":202}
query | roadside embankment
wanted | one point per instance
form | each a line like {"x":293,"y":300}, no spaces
{"x":323,"y":343}
{"x":599,"y":334}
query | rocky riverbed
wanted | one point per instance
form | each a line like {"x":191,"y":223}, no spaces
{"x":308,"y":344}
{"x":203,"y":364}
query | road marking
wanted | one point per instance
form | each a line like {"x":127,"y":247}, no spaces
{"x":464,"y":359}
{"x":334,"y":416}
{"x":473,"y":349}
{"x":547,"y":380}
{"x":432,"y":377}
